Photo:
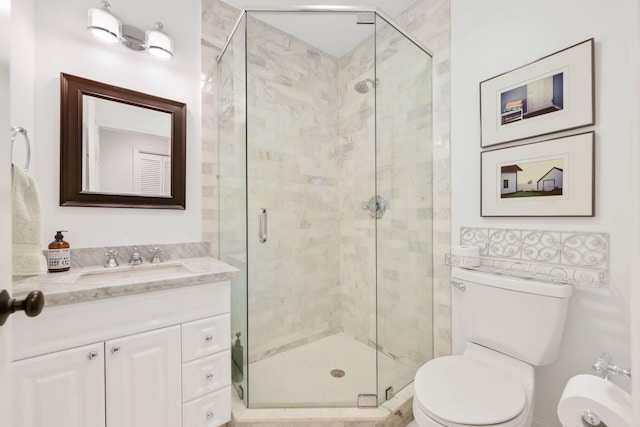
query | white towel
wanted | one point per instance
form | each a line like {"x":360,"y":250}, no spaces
{"x":28,"y":259}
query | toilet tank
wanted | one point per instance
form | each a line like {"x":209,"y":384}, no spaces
{"x":519,"y":317}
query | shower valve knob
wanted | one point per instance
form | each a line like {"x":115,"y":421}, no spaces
{"x":376,"y":206}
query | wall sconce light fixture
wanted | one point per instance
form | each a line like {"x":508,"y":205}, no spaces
{"x":106,"y":27}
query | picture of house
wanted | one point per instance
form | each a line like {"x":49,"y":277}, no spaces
{"x":541,"y":178}
{"x":552,"y":180}
{"x":509,"y":177}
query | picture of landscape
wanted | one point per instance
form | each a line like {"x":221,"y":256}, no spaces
{"x":532,"y":179}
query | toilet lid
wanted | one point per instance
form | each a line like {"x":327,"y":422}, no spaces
{"x":464,"y":391}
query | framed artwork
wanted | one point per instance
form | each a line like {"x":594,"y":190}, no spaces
{"x":548,"y":178}
{"x":551,"y":94}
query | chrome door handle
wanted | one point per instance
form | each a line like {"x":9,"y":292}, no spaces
{"x":262,"y":225}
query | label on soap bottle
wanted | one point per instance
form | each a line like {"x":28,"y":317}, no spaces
{"x":59,"y":259}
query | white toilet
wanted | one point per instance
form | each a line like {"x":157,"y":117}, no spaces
{"x":510,"y":325}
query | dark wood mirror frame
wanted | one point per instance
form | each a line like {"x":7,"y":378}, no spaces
{"x":72,"y":89}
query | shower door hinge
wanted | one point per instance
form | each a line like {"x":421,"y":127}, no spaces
{"x":388,"y":393}
{"x":367,"y":401}
{"x":240,"y":391}
{"x":366,"y":18}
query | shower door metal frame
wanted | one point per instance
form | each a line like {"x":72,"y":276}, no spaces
{"x":377,"y":11}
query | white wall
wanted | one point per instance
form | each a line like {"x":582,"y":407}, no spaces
{"x":494,"y":36}
{"x":55,"y":41}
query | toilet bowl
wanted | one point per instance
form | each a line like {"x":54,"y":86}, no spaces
{"x":480,"y":387}
{"x":510,"y":325}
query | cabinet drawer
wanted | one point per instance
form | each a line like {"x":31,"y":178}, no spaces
{"x":211,"y":410}
{"x":205,"y":375}
{"x":206,"y":336}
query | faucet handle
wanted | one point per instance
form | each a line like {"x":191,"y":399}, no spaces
{"x":155,"y":255}
{"x":135,"y":259}
{"x":111,"y":258}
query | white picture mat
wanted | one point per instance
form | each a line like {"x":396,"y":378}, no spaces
{"x":577,"y":65}
{"x":577,"y":193}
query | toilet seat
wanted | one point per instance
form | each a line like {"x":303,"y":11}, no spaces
{"x":458,"y":390}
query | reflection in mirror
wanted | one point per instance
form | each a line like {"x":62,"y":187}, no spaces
{"x":127,"y":149}
{"x":119,"y":147}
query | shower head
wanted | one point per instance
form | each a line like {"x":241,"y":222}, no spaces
{"x":363,"y":86}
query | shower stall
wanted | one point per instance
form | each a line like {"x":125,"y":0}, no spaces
{"x":325,"y":159}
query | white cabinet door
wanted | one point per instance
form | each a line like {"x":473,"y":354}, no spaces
{"x":62,"y":389}
{"x":143,"y":379}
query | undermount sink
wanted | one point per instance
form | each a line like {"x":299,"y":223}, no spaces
{"x":133,"y":273}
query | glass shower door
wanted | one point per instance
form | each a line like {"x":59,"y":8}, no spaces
{"x":311,"y":248}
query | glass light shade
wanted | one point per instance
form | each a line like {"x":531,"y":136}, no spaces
{"x":104,"y":26}
{"x":159,"y":45}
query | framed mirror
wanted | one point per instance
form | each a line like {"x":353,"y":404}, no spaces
{"x":120,"y":148}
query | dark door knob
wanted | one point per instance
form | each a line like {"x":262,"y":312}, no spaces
{"x":32,"y":305}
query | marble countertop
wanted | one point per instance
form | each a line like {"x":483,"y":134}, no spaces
{"x":91,"y":283}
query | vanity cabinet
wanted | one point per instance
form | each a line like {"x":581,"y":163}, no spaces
{"x":158,"y":359}
{"x":137,"y":376}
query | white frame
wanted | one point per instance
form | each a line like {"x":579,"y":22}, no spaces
{"x":576,"y":64}
{"x":577,"y":199}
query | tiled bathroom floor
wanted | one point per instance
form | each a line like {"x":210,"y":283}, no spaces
{"x":301,"y":377}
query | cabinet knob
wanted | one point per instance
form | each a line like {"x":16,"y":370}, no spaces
{"x":115,"y":349}
{"x":209,"y":376}
{"x":209,"y":415}
{"x":92,"y":355}
{"x":32,"y":305}
{"x":208,"y":338}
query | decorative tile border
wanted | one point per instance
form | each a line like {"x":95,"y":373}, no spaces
{"x":575,"y":257}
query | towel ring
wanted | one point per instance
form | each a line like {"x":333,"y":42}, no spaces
{"x":14,"y":132}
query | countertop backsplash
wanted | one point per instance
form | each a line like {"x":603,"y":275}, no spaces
{"x":91,"y":257}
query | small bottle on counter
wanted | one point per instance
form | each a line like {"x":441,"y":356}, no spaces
{"x":59,"y":254}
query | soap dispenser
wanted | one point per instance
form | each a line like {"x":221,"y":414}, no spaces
{"x":237,"y":356}
{"x":59,"y":254}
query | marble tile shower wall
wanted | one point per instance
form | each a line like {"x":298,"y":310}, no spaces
{"x":218,"y":20}
{"x":293,"y":167}
{"x":428,"y":21}
{"x":357,"y":185}
{"x":404,"y":169}
{"x":402,"y":140}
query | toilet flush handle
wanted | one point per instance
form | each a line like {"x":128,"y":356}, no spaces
{"x":459,"y":285}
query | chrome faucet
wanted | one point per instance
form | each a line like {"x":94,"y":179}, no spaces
{"x":155,"y":255}
{"x":135,"y":259}
{"x":111,"y":259}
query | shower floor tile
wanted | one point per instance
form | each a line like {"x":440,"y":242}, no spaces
{"x":301,"y":377}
